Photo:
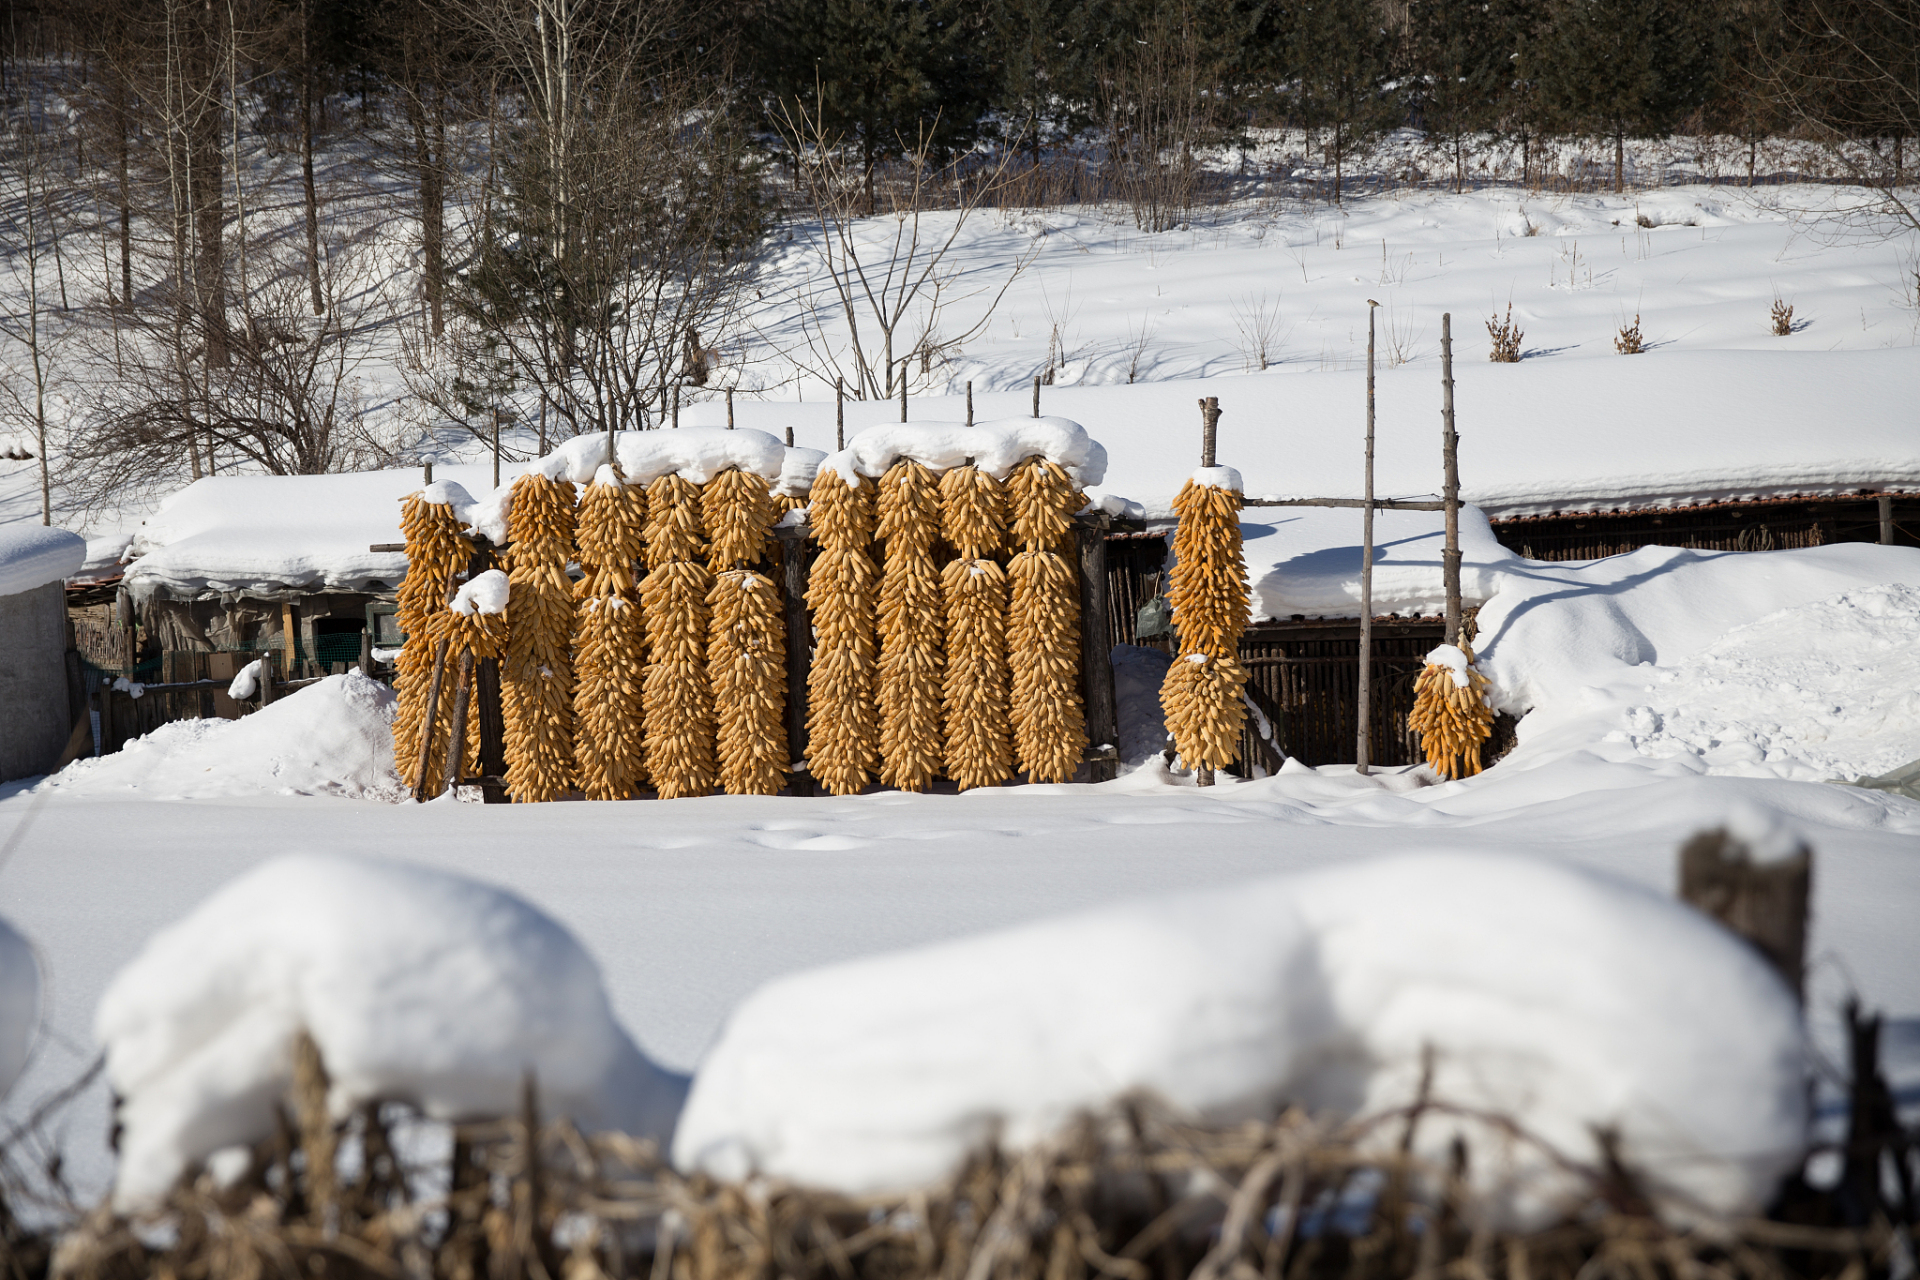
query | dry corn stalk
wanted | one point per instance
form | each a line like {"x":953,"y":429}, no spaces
{"x":677,"y":698}
{"x":610,"y":646}
{"x":537,"y":678}
{"x":910,"y":626}
{"x":747,"y":662}
{"x":436,"y":552}
{"x":1451,"y":715}
{"x":1202,"y":695}
{"x":1043,"y":631}
{"x":842,"y":738}
{"x":974,"y":518}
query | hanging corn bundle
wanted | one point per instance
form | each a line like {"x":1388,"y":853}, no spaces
{"x":436,"y":552}
{"x":842,"y":741}
{"x":974,"y":518}
{"x":537,"y":677}
{"x":610,"y":640}
{"x":746,"y":655}
{"x":1450,"y":711}
{"x":677,"y":699}
{"x":910,"y":658}
{"x":1202,"y":695}
{"x":1043,"y":630}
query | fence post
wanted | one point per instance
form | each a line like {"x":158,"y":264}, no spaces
{"x":793,"y":554}
{"x":1450,"y":482}
{"x":457,"y":731}
{"x":1363,"y":693}
{"x":1763,"y":902}
{"x":1036,"y":395}
{"x":1886,"y":519}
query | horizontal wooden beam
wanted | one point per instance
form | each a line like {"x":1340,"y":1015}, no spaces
{"x":1379,"y":504}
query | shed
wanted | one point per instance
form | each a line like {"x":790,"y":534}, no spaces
{"x":34,"y":688}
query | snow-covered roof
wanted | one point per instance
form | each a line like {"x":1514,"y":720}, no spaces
{"x":1306,"y":561}
{"x":32,"y":555}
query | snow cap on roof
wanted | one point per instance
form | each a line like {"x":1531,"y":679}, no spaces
{"x":32,"y":555}
{"x":995,"y":447}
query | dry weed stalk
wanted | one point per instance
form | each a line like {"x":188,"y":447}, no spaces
{"x":1506,"y":336}
{"x":1782,"y":318}
{"x":1629,"y":343}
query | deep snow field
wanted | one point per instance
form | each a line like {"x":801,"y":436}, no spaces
{"x":1666,"y":691}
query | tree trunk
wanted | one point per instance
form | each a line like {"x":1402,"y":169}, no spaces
{"x":429,"y":125}
{"x":209,"y":216}
{"x":124,"y":192}
{"x":306,"y":169}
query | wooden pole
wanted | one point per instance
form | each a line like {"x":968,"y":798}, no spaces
{"x":1096,"y":656}
{"x":839,"y":413}
{"x":496,"y":448}
{"x":1450,"y":483}
{"x":903,"y":392}
{"x":426,"y":721}
{"x":457,"y":731}
{"x":1209,"y":429}
{"x":1036,"y":395}
{"x":730,"y":411}
{"x":789,"y":437}
{"x":676,"y":406}
{"x":1886,"y":519}
{"x":1363,"y":738}
{"x":969,"y":401}
{"x":429,"y":468}
{"x":290,"y":638}
{"x":793,"y":551}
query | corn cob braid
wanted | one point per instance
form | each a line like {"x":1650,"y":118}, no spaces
{"x":676,"y":695}
{"x":537,"y":677}
{"x":610,"y":644}
{"x":910,"y":657}
{"x":842,"y":738}
{"x":1202,"y":695}
{"x":1043,"y":632}
{"x":747,"y":659}
{"x":1452,"y":717}
{"x":436,"y":552}
{"x":974,"y":518}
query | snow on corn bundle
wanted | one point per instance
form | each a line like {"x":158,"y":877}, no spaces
{"x":945,"y":601}
{"x":1202,"y":697}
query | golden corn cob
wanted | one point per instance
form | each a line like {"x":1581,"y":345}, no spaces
{"x":1202,"y":696}
{"x":437,"y":551}
{"x":536,"y":679}
{"x":911,"y":662}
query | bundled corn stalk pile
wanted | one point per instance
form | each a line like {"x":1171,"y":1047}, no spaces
{"x":437,"y":551}
{"x":611,"y":640}
{"x":1202,"y":695}
{"x":842,"y":734}
{"x":537,"y":678}
{"x":911,"y":745}
{"x":973,"y":509}
{"x":677,"y":699}
{"x":1043,"y":628}
{"x":746,"y":655}
{"x":1450,"y":711}
{"x":1132,"y":1193}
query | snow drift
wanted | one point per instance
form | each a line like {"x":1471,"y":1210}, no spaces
{"x":1547,"y":996}
{"x":416,"y":985}
{"x":19,"y":1003}
{"x":331,"y":738}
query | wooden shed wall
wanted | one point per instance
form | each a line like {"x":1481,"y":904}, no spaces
{"x":1765,"y":525}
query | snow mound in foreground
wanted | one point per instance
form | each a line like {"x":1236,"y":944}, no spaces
{"x":1560,"y":1000}
{"x":416,"y":985}
{"x":1825,"y":690}
{"x":332,"y":738}
{"x":19,"y":1003}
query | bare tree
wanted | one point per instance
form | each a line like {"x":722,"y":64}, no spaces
{"x":28,"y":166}
{"x":882,"y":303}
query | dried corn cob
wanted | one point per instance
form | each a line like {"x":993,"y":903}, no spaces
{"x":910,"y":624}
{"x":677,"y":697}
{"x":974,"y":518}
{"x":1451,"y":715}
{"x":437,"y":551}
{"x":537,"y":677}
{"x":842,"y":739}
{"x":610,"y":641}
{"x":747,"y":662}
{"x":1043,"y":632}
{"x":1202,"y":695}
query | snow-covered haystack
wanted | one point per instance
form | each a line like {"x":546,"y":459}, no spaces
{"x":1550,"y":1007}
{"x":19,"y":1003}
{"x":333,"y":738}
{"x":415,"y":985}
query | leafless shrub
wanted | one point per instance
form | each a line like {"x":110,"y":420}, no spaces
{"x":1630,"y":343}
{"x":1506,"y":336}
{"x":1258,"y":320}
{"x":1139,"y":345}
{"x":1782,"y":318}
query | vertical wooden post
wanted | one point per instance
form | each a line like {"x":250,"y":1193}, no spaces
{"x":1209,"y":429}
{"x":730,"y":411}
{"x":969,"y":401}
{"x":1363,"y":694}
{"x":493,"y":732}
{"x":839,"y":413}
{"x":496,"y":447}
{"x":676,"y":406}
{"x":429,"y":472}
{"x":789,"y":437}
{"x":793,"y":554}
{"x":903,"y":391}
{"x":427,"y":722}
{"x":105,"y":743}
{"x":289,"y":638}
{"x":1036,"y":395}
{"x":1763,"y":902}
{"x":266,"y":677}
{"x":1886,"y":519}
{"x":1096,"y":659}
{"x":1450,"y":481}
{"x":366,"y":652}
{"x":457,"y":731}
